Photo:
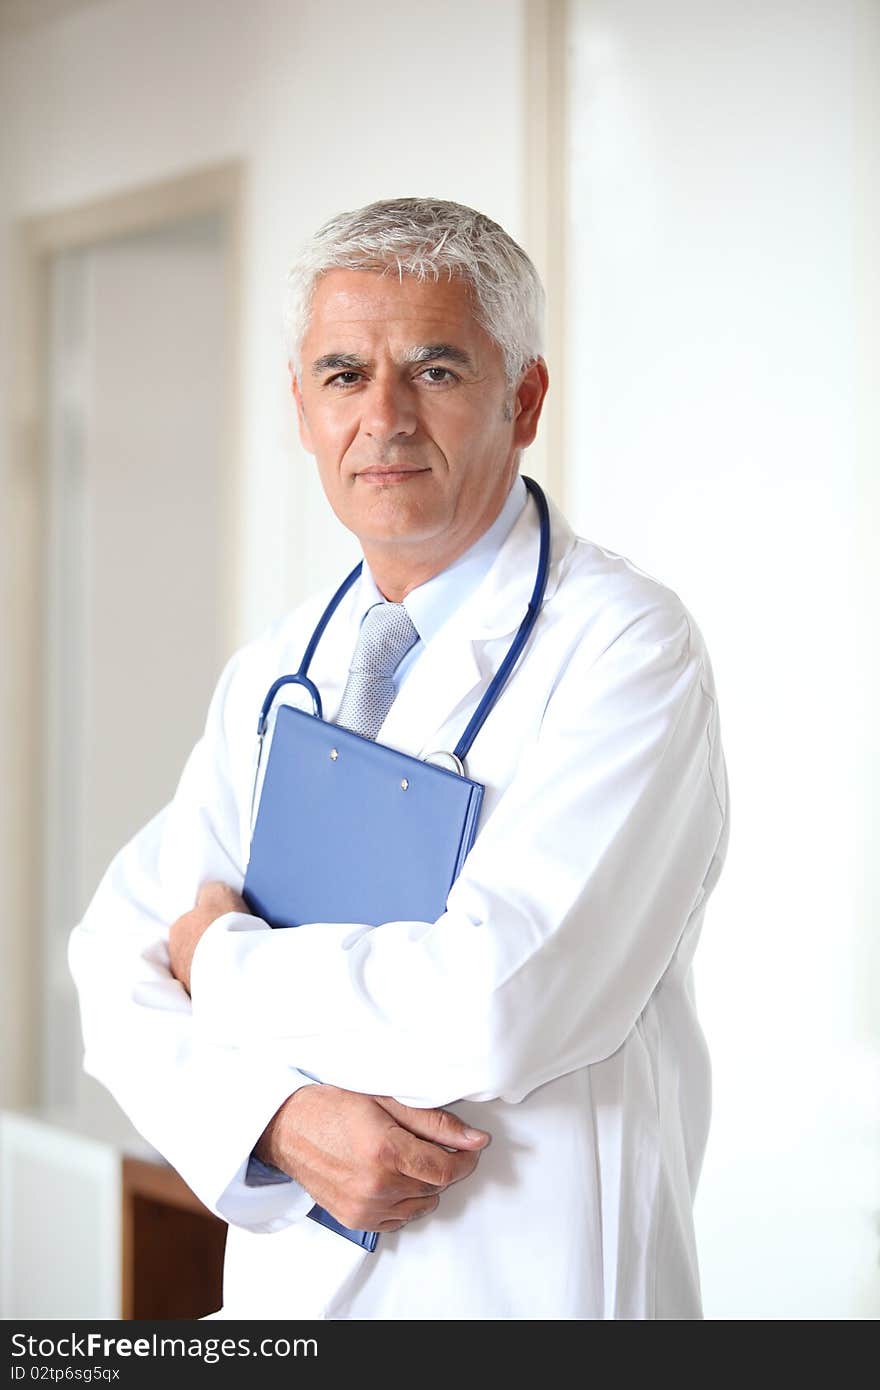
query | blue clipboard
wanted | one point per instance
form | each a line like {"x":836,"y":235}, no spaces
{"x":332,"y":801}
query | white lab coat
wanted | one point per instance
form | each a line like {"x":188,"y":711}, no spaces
{"x":552,"y":1003}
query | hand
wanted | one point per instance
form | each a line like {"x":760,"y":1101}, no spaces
{"x":213,"y":901}
{"x":369,"y":1161}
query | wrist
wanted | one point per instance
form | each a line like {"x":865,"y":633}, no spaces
{"x":266,"y":1147}
{"x":277,"y":1144}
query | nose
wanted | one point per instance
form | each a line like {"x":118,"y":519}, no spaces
{"x":389,"y":409}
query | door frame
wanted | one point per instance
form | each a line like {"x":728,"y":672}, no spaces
{"x":547,"y":218}
{"x":217,"y":190}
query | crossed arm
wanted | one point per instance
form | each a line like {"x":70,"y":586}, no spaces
{"x":579,"y":893}
{"x":370,"y":1161}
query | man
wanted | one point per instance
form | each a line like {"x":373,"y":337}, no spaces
{"x":551,"y":1005}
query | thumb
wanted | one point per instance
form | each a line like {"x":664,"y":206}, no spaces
{"x":440,"y":1126}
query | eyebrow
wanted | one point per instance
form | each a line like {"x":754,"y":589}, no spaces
{"x":424,"y":352}
{"x":434,"y":352}
{"x":339,"y":362}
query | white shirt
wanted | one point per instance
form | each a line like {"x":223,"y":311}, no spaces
{"x":551,"y":1004}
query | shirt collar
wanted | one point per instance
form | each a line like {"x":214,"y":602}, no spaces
{"x":430,"y":604}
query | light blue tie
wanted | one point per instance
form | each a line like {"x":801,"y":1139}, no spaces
{"x":387,"y":634}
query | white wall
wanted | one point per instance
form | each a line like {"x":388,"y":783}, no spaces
{"x":331,"y":106}
{"x":723,"y":419}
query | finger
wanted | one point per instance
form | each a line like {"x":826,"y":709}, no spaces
{"x":440,"y":1126}
{"x":411,"y":1207}
{"x":407,"y":1187}
{"x":408,"y":1210}
{"x":429,"y":1164}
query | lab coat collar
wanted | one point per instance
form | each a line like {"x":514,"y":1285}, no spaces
{"x":497,"y":606}
{"x":455,"y":660}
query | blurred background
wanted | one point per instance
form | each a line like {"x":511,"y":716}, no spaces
{"x":697,"y":181}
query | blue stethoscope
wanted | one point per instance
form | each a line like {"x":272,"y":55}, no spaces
{"x":454,"y":761}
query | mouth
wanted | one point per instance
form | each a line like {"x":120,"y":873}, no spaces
{"x":388,"y":477}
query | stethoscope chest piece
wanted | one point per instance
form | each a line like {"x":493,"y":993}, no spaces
{"x":450,"y":761}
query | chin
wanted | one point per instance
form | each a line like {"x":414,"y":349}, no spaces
{"x":393,"y":516}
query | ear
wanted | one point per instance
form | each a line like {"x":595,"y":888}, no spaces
{"x":304,"y":432}
{"x":528,"y":402}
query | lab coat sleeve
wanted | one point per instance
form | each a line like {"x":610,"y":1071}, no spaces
{"x":202,"y":1107}
{"x":571,"y":905}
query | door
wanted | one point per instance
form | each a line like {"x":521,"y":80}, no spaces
{"x":136,"y":620}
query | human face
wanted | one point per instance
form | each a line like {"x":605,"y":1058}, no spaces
{"x":403,"y":401}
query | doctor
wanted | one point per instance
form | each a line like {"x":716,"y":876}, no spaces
{"x":551,"y":1006}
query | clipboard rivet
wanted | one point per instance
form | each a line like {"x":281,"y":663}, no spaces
{"x":333,"y":754}
{"x":404,"y":782}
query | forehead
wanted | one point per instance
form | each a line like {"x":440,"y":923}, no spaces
{"x":368,"y":304}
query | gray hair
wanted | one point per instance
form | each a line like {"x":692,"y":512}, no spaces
{"x":425,"y":237}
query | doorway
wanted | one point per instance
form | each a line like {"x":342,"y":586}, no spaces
{"x":127,"y":570}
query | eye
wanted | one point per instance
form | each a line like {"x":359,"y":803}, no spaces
{"x":438,"y":376}
{"x":347,"y":378}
